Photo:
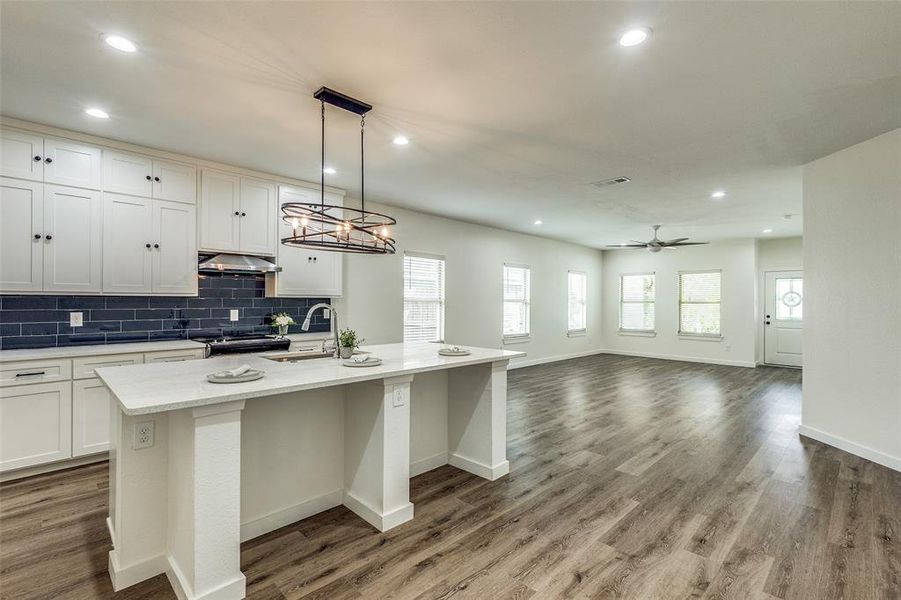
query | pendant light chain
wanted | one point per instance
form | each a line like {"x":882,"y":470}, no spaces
{"x":362,"y":165}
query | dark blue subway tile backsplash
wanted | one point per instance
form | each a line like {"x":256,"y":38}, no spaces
{"x":43,"y":321}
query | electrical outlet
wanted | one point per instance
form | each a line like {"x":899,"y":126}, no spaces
{"x":76,"y":319}
{"x":143,"y":435}
{"x":398,"y":398}
{"x":233,"y":314}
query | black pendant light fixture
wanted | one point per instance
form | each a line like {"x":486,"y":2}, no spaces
{"x":322,"y":226}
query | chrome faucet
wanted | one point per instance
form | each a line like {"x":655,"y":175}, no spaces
{"x":306,"y":323}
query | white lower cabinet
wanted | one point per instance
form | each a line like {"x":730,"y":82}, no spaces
{"x":90,"y":417}
{"x":35,"y":424}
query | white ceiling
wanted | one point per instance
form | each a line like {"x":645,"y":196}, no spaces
{"x":512,"y":109}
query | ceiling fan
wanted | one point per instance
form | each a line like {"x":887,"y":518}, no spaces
{"x":657,"y":244}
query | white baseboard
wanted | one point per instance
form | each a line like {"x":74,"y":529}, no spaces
{"x":477,"y":468}
{"x":123,"y":577}
{"x":57,"y":466}
{"x":876,"y":456}
{"x":235,"y":588}
{"x":518,"y":364}
{"x":428,"y":463}
{"x":382,"y":522}
{"x":292,"y":514}
{"x":693,"y":359}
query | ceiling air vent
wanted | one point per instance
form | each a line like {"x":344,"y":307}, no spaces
{"x":611,"y":181}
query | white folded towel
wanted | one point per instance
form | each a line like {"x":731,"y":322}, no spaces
{"x":236,"y":372}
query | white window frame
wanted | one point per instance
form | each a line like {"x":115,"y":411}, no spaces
{"x":442,"y":301}
{"x":584,"y":303}
{"x":700,"y":336}
{"x":639,"y":332}
{"x":514,"y":338}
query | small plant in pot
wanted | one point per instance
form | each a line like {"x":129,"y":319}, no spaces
{"x":348,"y":342}
{"x":282,"y":321}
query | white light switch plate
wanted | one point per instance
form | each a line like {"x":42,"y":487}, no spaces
{"x":233,"y":314}
{"x":76,"y":319}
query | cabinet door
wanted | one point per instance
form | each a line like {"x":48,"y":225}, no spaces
{"x":21,"y":155}
{"x":73,"y":240}
{"x":21,"y":219}
{"x":68,"y":163}
{"x":127,"y":244}
{"x":35,"y":424}
{"x":126,"y":173}
{"x":257,"y":224}
{"x":219,"y":211}
{"x":174,"y":181}
{"x":90,"y":417}
{"x":175,"y":248}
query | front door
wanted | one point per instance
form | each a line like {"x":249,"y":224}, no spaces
{"x":783,"y":317}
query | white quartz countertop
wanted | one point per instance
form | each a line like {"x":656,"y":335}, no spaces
{"x":102,"y":349}
{"x":160,"y":387}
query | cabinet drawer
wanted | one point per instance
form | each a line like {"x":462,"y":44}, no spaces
{"x":174,"y":355}
{"x":35,"y":371}
{"x":83,"y":368}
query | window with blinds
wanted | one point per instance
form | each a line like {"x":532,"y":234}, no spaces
{"x":423,"y":298}
{"x":516,"y":301}
{"x":637,"y":298}
{"x":699,"y":303}
{"x":576,"y":313}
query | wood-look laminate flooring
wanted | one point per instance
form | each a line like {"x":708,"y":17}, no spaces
{"x":630,"y":478}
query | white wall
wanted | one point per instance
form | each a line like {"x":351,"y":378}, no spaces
{"x":737,"y":260}
{"x":852,"y":318}
{"x":778,"y":254}
{"x":475,"y":256}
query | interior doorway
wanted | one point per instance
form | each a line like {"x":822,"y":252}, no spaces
{"x":783,"y":317}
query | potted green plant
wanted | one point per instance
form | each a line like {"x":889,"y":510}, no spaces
{"x":281,"y":321}
{"x":348,"y":342}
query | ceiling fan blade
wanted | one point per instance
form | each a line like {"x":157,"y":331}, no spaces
{"x":642,"y":243}
{"x":675,"y":240}
{"x":628,"y":246}
{"x":677,"y":244}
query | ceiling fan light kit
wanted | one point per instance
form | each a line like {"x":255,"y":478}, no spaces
{"x":656,"y":244}
{"x":334,"y":227}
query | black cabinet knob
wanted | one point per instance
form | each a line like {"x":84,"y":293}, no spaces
{"x":237,"y":213}
{"x":767,"y":322}
{"x":48,"y":237}
{"x":48,"y":160}
{"x":156,"y":245}
{"x":156,"y":178}
{"x":37,"y":159}
{"x":147,"y":245}
{"x":148,"y":177}
{"x":314,"y":259}
{"x":243,"y":214}
{"x":37,"y":236}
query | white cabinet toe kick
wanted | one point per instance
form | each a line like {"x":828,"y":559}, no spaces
{"x":213,"y":475}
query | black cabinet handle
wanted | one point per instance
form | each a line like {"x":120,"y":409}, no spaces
{"x":37,"y":236}
{"x":314,"y":259}
{"x":37,"y":158}
{"x":149,"y":177}
{"x":33,"y":374}
{"x":48,"y":160}
{"x":156,"y":178}
{"x":156,"y":245}
{"x":237,"y":214}
{"x":48,"y":237}
{"x":243,"y":214}
{"x":148,"y":245}
{"x":767,"y":322}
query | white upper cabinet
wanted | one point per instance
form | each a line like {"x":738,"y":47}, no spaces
{"x":174,"y":181}
{"x":127,"y":244}
{"x":73,"y":164}
{"x":257,"y":230}
{"x":29,"y":156}
{"x":174,"y":249}
{"x":21,"y":155}
{"x":305,"y":273}
{"x":21,"y":235}
{"x":137,"y":175}
{"x":73,"y":237}
{"x":219,"y":211}
{"x":237,"y":214}
{"x":126,"y":173}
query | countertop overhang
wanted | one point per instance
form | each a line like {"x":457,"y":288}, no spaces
{"x":152,"y":388}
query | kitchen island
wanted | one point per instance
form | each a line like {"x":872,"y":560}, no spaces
{"x":197,"y":467}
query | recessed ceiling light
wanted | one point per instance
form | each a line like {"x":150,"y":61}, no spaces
{"x":329,"y":171}
{"x":538,"y":222}
{"x":97,"y":113}
{"x":633,"y":37}
{"x":768,"y":230}
{"x":401,"y":141}
{"x":120,"y":43}
{"x":718,"y":194}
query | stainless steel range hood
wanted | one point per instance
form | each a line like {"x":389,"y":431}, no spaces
{"x":237,"y":263}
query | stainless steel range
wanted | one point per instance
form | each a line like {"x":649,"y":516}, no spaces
{"x":236,"y":344}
